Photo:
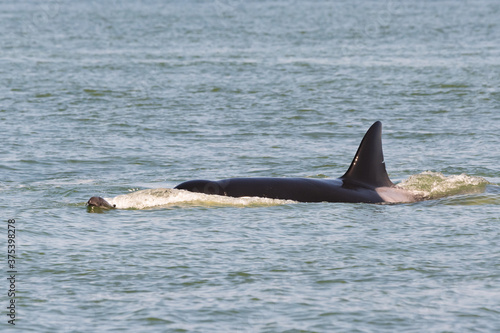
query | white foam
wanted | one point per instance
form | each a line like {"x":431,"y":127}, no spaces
{"x":434,"y":185}
{"x":426,"y":185}
{"x":159,"y":197}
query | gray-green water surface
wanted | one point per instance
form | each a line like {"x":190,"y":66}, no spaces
{"x":107,"y":98}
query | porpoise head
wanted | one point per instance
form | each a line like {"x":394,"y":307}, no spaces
{"x":99,"y":202}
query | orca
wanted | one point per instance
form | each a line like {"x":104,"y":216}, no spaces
{"x":366,"y":181}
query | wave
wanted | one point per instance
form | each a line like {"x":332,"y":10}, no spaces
{"x":163,"y":197}
{"x":425,"y":186}
{"x":430,"y":185}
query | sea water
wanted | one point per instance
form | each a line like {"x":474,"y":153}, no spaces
{"x":126,"y":99}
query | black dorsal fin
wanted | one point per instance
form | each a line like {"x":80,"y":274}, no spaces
{"x":368,"y":166}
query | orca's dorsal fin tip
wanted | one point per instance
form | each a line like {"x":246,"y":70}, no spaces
{"x":368,"y":165}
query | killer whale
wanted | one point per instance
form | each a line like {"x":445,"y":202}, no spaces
{"x":365,"y":180}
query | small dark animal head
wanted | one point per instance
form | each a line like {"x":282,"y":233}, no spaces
{"x":99,"y":202}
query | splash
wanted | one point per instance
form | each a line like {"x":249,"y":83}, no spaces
{"x":435,"y":185}
{"x":164,"y":197}
{"x":425,"y":186}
